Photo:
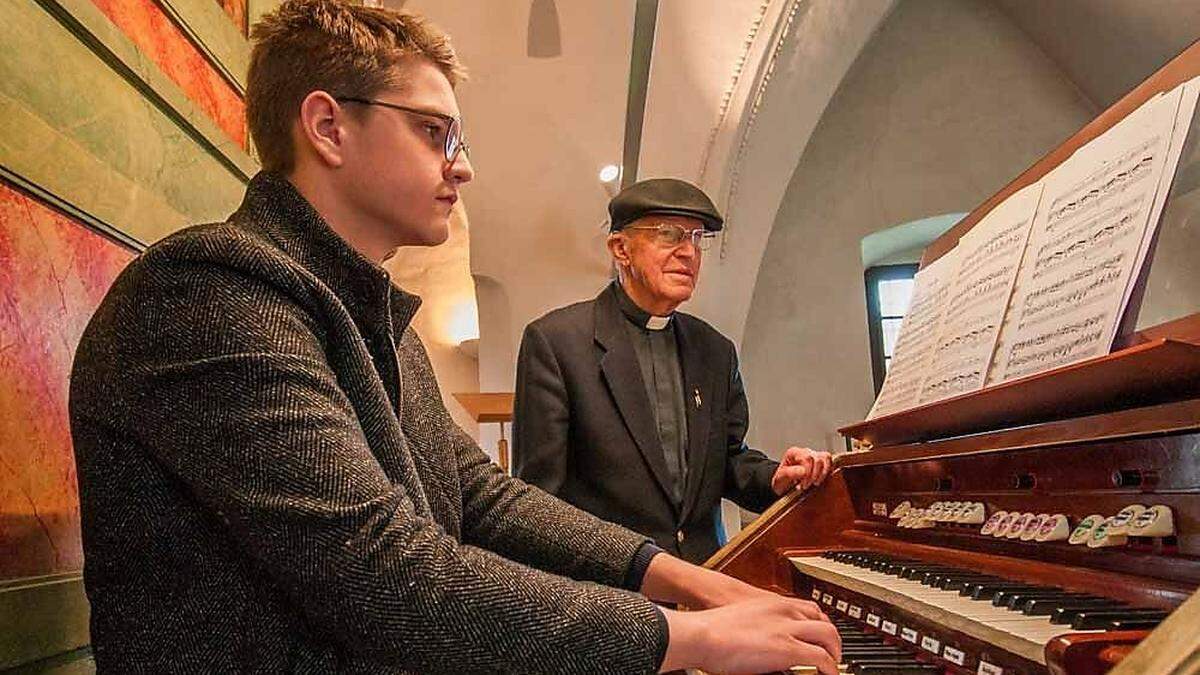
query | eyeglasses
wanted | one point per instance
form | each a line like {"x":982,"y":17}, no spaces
{"x":454,"y":140}
{"x":670,"y":235}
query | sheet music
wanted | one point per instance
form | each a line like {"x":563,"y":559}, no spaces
{"x":1085,"y":244}
{"x":1189,"y":92}
{"x":988,"y":260}
{"x":918,"y":333}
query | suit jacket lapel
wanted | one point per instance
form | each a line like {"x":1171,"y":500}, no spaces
{"x":697,"y":394}
{"x":624,"y":378}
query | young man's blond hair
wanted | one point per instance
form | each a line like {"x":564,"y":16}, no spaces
{"x":345,"y":50}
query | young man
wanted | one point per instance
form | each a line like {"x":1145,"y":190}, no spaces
{"x":634,"y":411}
{"x":268,"y":479}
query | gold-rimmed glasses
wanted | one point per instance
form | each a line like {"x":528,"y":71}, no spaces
{"x":670,"y":235}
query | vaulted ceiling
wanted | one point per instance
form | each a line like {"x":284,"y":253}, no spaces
{"x":735,"y":89}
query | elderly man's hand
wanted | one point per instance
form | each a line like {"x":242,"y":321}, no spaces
{"x":801,"y":468}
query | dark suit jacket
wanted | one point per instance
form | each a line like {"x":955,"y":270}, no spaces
{"x":583,"y":427}
{"x":270,"y":483}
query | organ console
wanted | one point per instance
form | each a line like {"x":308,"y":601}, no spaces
{"x":1051,"y":524}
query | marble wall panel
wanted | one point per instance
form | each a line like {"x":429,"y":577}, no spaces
{"x":73,"y":124}
{"x":53,"y":274}
{"x":236,"y":9}
{"x":145,"y":23}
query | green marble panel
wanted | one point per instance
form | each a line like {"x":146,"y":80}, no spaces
{"x":41,"y":617}
{"x":212,"y":30}
{"x":85,"y":117}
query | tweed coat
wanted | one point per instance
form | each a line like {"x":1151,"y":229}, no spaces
{"x":583,"y":426}
{"x":269,"y":481}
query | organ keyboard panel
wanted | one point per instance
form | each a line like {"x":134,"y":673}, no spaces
{"x":1048,"y":525}
{"x":929,"y":556}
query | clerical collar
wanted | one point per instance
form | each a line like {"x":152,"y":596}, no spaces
{"x":636,"y":315}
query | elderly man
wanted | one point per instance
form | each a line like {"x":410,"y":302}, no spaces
{"x":636,"y":412}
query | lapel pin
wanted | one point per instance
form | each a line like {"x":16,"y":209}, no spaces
{"x":696,"y":395}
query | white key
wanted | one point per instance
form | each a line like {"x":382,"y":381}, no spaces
{"x":987,"y":619}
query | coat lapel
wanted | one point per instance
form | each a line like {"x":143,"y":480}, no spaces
{"x":624,"y":379}
{"x":697,"y":395}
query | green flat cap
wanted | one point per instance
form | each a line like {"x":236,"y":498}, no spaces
{"x":669,"y":196}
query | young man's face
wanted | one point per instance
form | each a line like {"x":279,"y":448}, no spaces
{"x":397,"y":173}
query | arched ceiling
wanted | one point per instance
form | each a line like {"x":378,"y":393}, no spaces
{"x":735,"y":90}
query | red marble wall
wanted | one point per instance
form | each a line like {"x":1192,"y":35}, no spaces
{"x":236,"y":9}
{"x":145,"y":23}
{"x":53,"y":274}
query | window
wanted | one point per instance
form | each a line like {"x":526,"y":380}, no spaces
{"x":889,"y":289}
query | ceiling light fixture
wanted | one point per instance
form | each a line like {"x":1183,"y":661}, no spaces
{"x":609,"y":173}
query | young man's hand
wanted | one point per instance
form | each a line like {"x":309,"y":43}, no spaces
{"x":756,"y":636}
{"x":800,"y":468}
{"x":669,"y":579}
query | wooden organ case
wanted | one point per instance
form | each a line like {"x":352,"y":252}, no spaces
{"x":1086,"y":440}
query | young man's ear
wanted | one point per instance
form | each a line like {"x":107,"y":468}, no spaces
{"x":322,"y":128}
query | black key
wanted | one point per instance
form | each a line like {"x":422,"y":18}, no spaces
{"x":865,"y":640}
{"x":884,"y":564}
{"x":1067,"y":614}
{"x":868,"y":650}
{"x":937,"y":578}
{"x":987,"y":590}
{"x":1132,"y":624}
{"x":911,"y":570}
{"x":978,"y":580}
{"x":1013,"y":599}
{"x":1088,"y":620}
{"x":894,"y":661}
{"x":916,"y":668}
{"x":1046,"y":606}
{"x":956,"y":583}
{"x":930,"y":577}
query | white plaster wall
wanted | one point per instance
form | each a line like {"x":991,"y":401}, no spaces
{"x":947,"y":103}
{"x":441,"y":275}
{"x":540,"y":129}
{"x":755,"y":154}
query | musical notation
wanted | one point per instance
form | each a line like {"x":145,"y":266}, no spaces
{"x":991,"y":255}
{"x":1103,"y":185}
{"x":1096,"y":233}
{"x":1081,"y":287}
{"x":1043,"y":279}
{"x":1086,"y":244}
{"x":918,"y":337}
{"x":1056,"y":347}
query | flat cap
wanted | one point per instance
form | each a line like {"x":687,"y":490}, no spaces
{"x":669,"y":196}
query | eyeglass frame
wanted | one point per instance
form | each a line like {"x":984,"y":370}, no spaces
{"x":700,"y":237}
{"x":454,"y":124}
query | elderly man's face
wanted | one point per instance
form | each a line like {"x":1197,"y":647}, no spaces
{"x":658,"y":269}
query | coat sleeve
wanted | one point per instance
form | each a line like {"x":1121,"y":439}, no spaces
{"x":511,"y":517}
{"x":748,"y":472}
{"x":541,"y":415}
{"x":228,"y":379}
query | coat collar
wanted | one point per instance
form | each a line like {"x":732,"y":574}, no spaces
{"x":274,"y":205}
{"x":619,"y":366}
{"x":636,"y":315}
{"x":624,"y":378}
{"x":696,"y":362}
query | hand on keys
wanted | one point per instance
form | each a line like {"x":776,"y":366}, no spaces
{"x":760,"y":635}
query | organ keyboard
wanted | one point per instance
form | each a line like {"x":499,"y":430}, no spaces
{"x":1046,"y":525}
{"x":947,"y":597}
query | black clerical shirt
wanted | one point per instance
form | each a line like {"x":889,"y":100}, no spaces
{"x":657,"y":351}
